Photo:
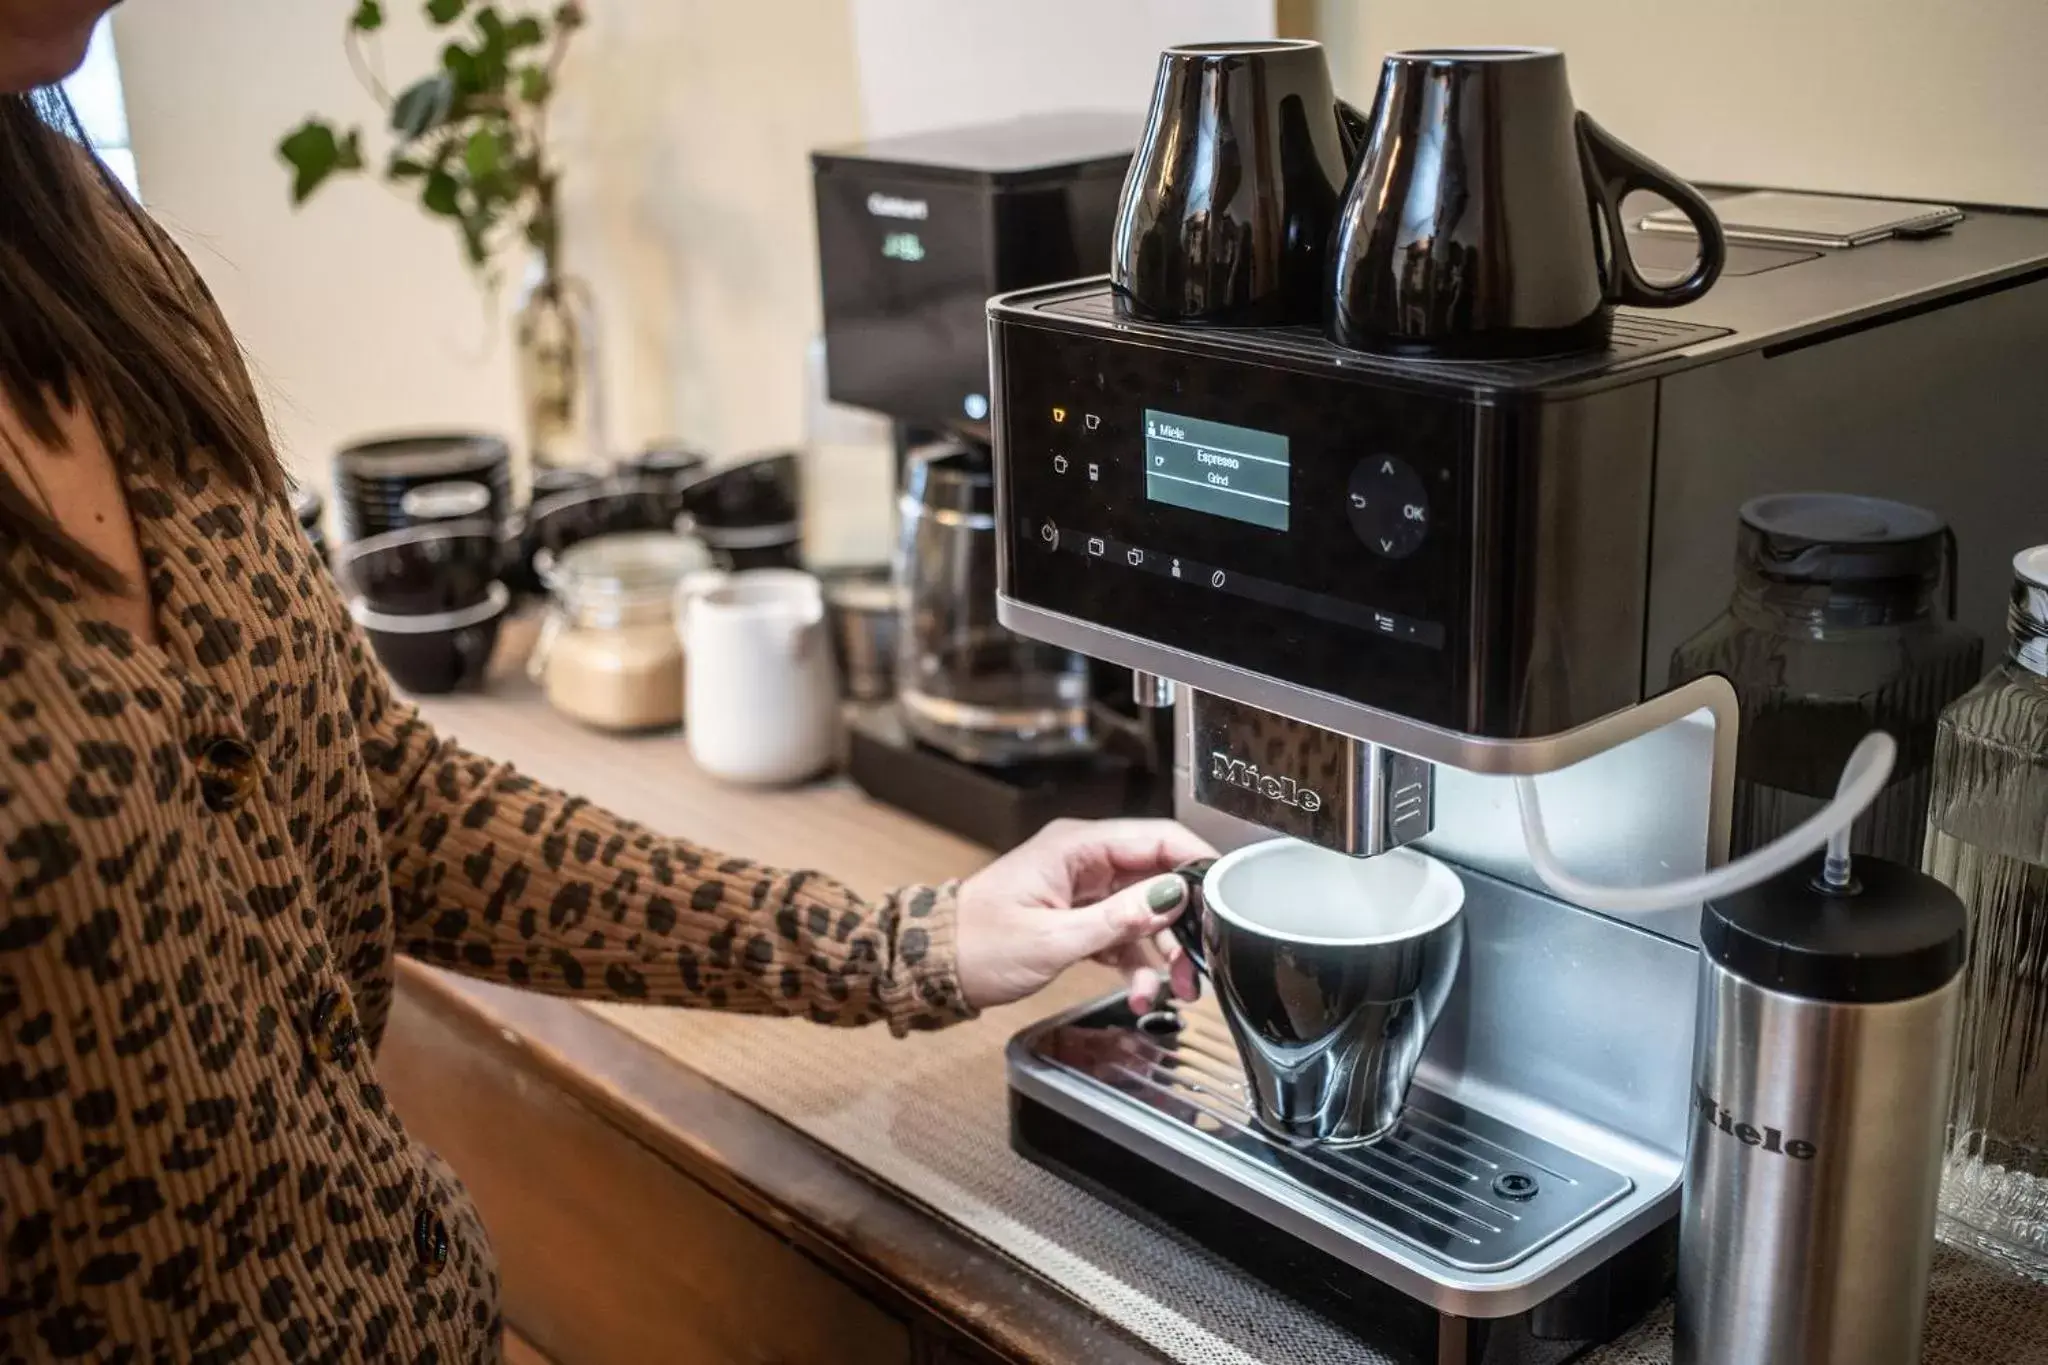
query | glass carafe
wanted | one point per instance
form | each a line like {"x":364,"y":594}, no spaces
{"x":1839,"y":625}
{"x":1987,"y":838}
{"x":965,"y":684}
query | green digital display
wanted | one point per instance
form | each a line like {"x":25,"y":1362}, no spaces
{"x":1214,"y":467}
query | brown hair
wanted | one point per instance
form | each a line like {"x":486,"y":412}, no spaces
{"x":98,"y":307}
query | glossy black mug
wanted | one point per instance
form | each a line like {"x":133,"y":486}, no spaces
{"x":1227,"y":206}
{"x":1330,"y":971}
{"x":1484,"y":215}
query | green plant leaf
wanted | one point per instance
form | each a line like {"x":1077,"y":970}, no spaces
{"x":439,"y":194}
{"x":446,"y":12}
{"x":368,"y":18}
{"x":491,"y":25}
{"x":423,"y":106}
{"x":315,"y":153}
{"x":525,"y":32}
{"x":534,"y":85}
{"x":483,"y":154}
{"x":404,"y":168}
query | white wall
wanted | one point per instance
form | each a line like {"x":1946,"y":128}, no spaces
{"x":946,"y":63}
{"x":356,"y":313}
{"x":684,"y":127}
{"x":1909,"y":97}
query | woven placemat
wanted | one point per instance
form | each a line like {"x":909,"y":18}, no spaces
{"x":929,"y":1115}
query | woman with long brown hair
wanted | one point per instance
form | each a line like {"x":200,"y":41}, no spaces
{"x":218,"y":824}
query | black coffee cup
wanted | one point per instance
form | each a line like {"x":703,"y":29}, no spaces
{"x":1331,"y":972}
{"x":1484,"y":216}
{"x":1227,"y":206}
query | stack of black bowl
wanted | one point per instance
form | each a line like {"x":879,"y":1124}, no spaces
{"x":429,"y":598}
{"x":371,"y":478}
{"x":749,"y":515}
{"x":603,"y":507}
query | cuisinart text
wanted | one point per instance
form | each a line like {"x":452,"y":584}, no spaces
{"x":889,"y":206}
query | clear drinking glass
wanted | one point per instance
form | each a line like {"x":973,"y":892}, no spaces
{"x":1839,"y":625}
{"x":1987,"y":838}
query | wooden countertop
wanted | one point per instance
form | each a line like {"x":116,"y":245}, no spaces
{"x":457,"y":1047}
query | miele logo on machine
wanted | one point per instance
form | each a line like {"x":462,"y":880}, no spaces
{"x":1273,"y":786}
{"x":1764,"y":1139}
{"x":889,"y":206}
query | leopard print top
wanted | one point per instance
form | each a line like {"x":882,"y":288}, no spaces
{"x":210,"y":849}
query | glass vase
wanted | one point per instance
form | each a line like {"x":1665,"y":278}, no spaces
{"x":556,"y":334}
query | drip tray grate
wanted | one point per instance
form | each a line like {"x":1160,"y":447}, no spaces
{"x":1475,"y":1193}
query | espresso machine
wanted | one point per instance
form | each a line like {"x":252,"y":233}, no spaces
{"x":1376,"y":589}
{"x":988,"y":735}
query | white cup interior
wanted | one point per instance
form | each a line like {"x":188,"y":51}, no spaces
{"x":1295,"y":891}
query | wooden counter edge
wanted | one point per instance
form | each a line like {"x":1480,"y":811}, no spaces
{"x":885,"y":1243}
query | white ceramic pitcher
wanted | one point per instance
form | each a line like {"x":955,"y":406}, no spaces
{"x":760,"y":697}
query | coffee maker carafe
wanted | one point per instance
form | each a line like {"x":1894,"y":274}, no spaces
{"x":966,"y":685}
{"x":1390,"y":596}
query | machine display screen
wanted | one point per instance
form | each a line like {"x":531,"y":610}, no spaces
{"x":1214,"y":467}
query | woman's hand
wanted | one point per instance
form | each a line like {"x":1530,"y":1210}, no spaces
{"x":1077,"y":889}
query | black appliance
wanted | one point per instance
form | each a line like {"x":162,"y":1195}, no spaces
{"x":915,"y":233}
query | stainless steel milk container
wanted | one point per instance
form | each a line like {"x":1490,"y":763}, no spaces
{"x":1821,"y":1071}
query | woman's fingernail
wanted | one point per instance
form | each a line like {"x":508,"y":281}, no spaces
{"x":1165,"y":892}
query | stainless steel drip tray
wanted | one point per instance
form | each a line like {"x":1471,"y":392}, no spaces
{"x":1454,"y":1207}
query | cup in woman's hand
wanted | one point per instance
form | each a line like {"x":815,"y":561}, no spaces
{"x":1331,"y":972}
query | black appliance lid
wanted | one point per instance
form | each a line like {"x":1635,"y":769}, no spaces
{"x":1900,"y":934}
{"x":1038,"y":147}
{"x":1840,"y":538}
{"x":956,"y":475}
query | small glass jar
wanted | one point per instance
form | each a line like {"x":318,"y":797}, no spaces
{"x":609,"y":654}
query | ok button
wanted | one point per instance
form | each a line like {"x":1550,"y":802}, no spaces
{"x":1388,"y":506}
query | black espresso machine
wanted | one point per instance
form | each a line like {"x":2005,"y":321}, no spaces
{"x":989,"y":736}
{"x":1377,"y":585}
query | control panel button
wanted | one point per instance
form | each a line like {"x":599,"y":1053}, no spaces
{"x":1050,"y":534}
{"x":1388,"y":506}
{"x":1059,"y":464}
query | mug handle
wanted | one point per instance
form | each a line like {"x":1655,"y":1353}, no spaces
{"x":1188,"y":928}
{"x":1354,"y":129}
{"x":1615,"y":170}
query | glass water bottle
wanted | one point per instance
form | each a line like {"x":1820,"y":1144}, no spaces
{"x":1987,"y":838}
{"x":1841,"y":623}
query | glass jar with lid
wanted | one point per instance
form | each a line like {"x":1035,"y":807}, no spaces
{"x":1842,"y":622}
{"x":609,"y":654}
